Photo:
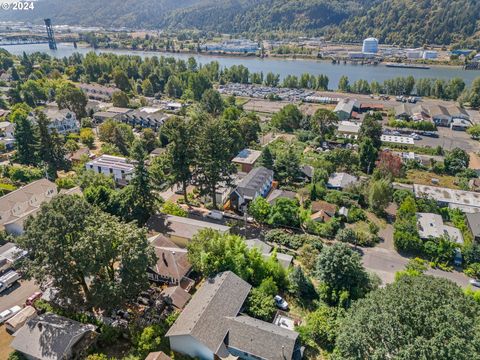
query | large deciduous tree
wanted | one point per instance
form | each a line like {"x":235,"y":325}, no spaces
{"x":94,"y":260}
{"x":72,"y":98}
{"x":340,"y":270}
{"x":417,"y":317}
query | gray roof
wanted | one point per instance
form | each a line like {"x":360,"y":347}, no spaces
{"x":262,"y":246}
{"x":341,"y":180}
{"x":262,"y":339}
{"x":254,"y":181}
{"x":345,"y":105}
{"x":431,"y":226}
{"x":181,"y":226}
{"x":49,"y":336}
{"x":277,"y":193}
{"x":474,"y":223}
{"x":206,"y":316}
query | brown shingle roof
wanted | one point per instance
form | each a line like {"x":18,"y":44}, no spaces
{"x":172,"y":261}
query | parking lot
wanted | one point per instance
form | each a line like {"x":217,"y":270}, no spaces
{"x":449,"y":139}
{"x":17,"y":294}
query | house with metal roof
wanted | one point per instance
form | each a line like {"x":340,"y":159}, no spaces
{"x":345,"y":108}
{"x":257,"y":183}
{"x":211,"y":326}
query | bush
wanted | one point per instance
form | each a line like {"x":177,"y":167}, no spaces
{"x":355,"y":214}
{"x":171,"y":208}
{"x":284,"y":238}
{"x":24,"y":174}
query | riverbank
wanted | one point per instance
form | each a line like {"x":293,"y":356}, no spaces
{"x":281,"y":66}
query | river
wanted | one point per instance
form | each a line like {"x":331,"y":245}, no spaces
{"x":280,"y":66}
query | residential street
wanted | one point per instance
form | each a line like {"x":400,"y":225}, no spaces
{"x":17,"y":294}
{"x":385,"y":263}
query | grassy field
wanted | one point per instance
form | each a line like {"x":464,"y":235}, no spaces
{"x":425,"y":178}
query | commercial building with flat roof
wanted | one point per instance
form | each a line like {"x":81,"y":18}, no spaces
{"x":467,"y":201}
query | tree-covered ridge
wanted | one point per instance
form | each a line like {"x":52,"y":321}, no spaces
{"x":416,"y":22}
{"x":266,"y":15}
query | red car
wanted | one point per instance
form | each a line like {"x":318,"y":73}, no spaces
{"x":34,"y":297}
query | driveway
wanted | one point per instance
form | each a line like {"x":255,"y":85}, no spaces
{"x":385,"y":263}
{"x":449,"y":139}
{"x":17,"y":294}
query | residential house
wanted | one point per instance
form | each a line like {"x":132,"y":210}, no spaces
{"x":339,"y":181}
{"x":266,"y":250}
{"x":348,"y":129}
{"x":278,"y":194}
{"x":52,"y":337}
{"x":114,"y":113}
{"x":63,"y":121}
{"x":467,"y":201}
{"x":211,"y":327}
{"x":180,"y":230}
{"x":16,"y":206}
{"x":258,"y":182}
{"x":307,"y":171}
{"x":79,"y":155}
{"x":345,"y":108}
{"x":246,"y":160}
{"x":473,"y":221}
{"x":147,"y":117}
{"x":159,"y":355}
{"x":323,"y":211}
{"x":98,"y":92}
{"x":431,"y":226}
{"x":176,"y":296}
{"x":172,"y":264}
{"x":120,"y":168}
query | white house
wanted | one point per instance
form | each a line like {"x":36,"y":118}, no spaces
{"x":63,"y":121}
{"x":119,"y":167}
{"x":16,"y":206}
{"x":211,"y":326}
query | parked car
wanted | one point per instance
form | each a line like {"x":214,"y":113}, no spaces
{"x":7,"y":314}
{"x":32,"y":298}
{"x":475,"y":282}
{"x":430,"y":134}
{"x":215,"y":214}
{"x":415,"y":136}
{"x":280,"y":302}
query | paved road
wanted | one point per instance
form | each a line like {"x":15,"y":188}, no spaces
{"x":449,"y":139}
{"x":385,"y":263}
{"x":17,"y":294}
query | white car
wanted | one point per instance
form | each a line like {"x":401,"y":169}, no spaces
{"x":215,"y":214}
{"x":475,"y":282}
{"x":7,"y":314}
{"x":280,"y":302}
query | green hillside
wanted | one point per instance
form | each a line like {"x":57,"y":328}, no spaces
{"x":416,"y":22}
{"x":402,"y":22}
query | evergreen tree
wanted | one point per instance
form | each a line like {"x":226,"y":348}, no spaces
{"x":267,"y":159}
{"x":25,"y":138}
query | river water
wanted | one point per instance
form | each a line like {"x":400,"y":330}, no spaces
{"x":280,"y":66}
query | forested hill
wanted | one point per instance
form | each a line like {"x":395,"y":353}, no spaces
{"x":416,"y":22}
{"x":402,"y":22}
